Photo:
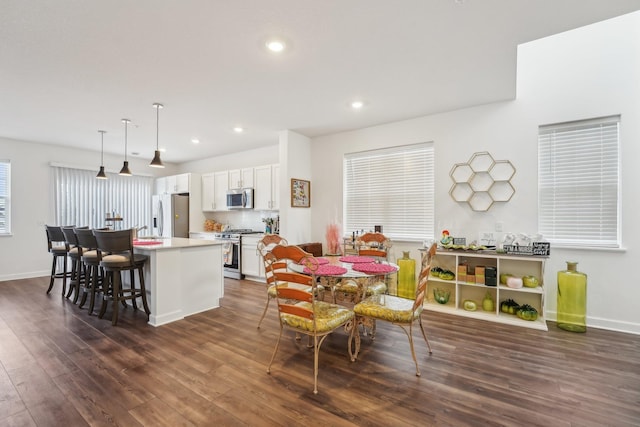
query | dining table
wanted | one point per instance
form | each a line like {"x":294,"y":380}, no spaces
{"x":364,"y":271}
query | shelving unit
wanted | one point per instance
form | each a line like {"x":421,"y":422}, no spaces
{"x":113,"y":223}
{"x":462,"y":290}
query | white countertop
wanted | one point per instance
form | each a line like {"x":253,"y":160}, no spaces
{"x":174,"y":243}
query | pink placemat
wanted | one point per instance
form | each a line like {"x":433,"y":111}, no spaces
{"x":320,"y":261}
{"x":145,"y":242}
{"x":374,"y":268}
{"x":327,"y":270}
{"x":355,"y":259}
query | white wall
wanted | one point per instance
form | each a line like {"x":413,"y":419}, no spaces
{"x":24,"y":252}
{"x":589,"y":72}
{"x":295,"y":162}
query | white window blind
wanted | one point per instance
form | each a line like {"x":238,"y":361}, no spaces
{"x":82,"y":200}
{"x":392,"y":187}
{"x":578,"y":182}
{"x":5,"y":197}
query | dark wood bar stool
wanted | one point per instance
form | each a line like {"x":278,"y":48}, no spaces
{"x":58,"y":248}
{"x":75,"y":255}
{"x":92,"y":270}
{"x":115,"y":254}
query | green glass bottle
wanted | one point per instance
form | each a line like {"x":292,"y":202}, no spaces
{"x":572,"y":299}
{"x":407,"y":276}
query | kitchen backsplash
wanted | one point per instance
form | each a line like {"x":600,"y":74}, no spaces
{"x":238,"y":219}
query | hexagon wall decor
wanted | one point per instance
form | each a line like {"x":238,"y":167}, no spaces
{"x":482,"y":181}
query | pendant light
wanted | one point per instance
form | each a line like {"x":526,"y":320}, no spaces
{"x":125,"y":167}
{"x":157,"y":162}
{"x":101,"y":174}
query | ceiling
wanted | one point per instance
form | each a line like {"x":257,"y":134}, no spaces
{"x":71,"y":67}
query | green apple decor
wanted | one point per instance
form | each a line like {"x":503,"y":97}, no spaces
{"x":530,"y":281}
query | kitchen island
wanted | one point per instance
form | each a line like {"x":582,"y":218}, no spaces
{"x":183,"y":277}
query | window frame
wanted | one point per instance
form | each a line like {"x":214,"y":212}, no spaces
{"x":412,"y":188}
{"x":578,"y":209}
{"x":5,"y":196}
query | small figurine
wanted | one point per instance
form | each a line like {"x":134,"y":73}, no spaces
{"x":446,"y":239}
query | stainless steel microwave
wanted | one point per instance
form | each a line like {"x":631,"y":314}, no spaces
{"x":240,"y":198}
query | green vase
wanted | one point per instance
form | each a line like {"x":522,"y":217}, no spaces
{"x":407,"y":276}
{"x":572,"y":299}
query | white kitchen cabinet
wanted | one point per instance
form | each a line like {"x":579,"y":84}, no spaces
{"x":181,"y":183}
{"x":267,"y":187}
{"x":241,"y":178}
{"x":214,"y":191}
{"x":252,"y":264}
{"x":462,"y":288}
{"x":173,"y":184}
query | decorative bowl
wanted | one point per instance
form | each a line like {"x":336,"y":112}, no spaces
{"x":441,"y":295}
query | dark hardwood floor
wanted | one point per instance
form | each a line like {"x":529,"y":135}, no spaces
{"x":61,"y":367}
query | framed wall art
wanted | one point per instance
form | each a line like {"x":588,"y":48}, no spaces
{"x":300,"y":193}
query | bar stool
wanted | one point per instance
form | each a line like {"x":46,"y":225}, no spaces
{"x":58,"y":248}
{"x":75,"y":255}
{"x":115,"y":254}
{"x":92,"y":271}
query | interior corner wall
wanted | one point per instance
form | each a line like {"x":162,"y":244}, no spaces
{"x":295,"y":162}
{"x":588,"y":72}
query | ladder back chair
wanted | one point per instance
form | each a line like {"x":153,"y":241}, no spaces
{"x":268,"y":242}
{"x":400,"y":311}
{"x":299,"y":310}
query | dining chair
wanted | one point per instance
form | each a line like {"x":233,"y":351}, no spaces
{"x":58,"y":248}
{"x":115,"y":254}
{"x":268,"y":242}
{"x":299,"y":310}
{"x":373,"y":244}
{"x":400,"y":311}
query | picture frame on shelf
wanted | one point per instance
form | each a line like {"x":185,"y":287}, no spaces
{"x":300,"y":193}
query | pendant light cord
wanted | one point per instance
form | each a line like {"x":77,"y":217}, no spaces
{"x":157,"y":127}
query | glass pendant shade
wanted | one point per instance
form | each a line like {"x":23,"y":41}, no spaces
{"x":157,"y":162}
{"x":101,"y":174}
{"x":125,"y":166}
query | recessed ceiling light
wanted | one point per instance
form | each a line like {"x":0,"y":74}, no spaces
{"x":276,"y":45}
{"x":195,"y":141}
{"x":238,"y":129}
{"x":356,"y":105}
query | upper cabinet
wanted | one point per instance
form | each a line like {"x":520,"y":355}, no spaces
{"x":265,"y":180}
{"x":173,"y":184}
{"x":241,"y":178}
{"x":267,"y":187}
{"x":214,"y":191}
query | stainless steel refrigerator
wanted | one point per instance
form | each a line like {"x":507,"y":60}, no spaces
{"x":171,"y":215}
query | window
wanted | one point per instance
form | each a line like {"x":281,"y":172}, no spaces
{"x":82,"y":200}
{"x":578,"y":183}
{"x":5,"y":197}
{"x":392,"y":187}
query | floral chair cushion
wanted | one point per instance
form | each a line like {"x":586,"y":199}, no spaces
{"x":328,"y":317}
{"x":389,"y":308}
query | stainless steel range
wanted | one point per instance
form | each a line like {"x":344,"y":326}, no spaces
{"x":231,"y":251}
